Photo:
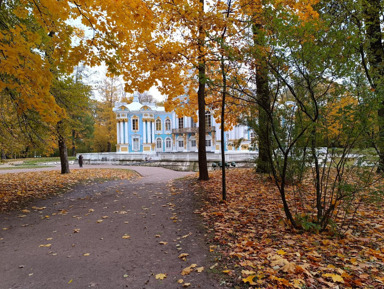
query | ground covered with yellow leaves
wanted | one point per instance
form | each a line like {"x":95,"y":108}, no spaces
{"x":259,"y":250}
{"x":18,"y":189}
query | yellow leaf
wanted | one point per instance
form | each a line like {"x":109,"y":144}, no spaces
{"x":47,"y":245}
{"x":188,"y":270}
{"x":281,"y":252}
{"x":99,"y":221}
{"x":297,"y":283}
{"x":161,"y":276}
{"x":126,"y":236}
{"x":226,"y":271}
{"x":335,"y":277}
{"x":249,"y":280}
{"x":180,"y":281}
{"x":200,"y":269}
{"x":163,"y":243}
{"x":185,"y":285}
{"x":86,"y":254}
{"x":183,"y":255}
{"x":247,"y":272}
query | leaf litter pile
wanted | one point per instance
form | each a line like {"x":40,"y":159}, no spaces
{"x":17,"y":189}
{"x":260,"y":251}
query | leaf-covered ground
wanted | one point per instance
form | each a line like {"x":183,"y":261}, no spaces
{"x":17,"y":189}
{"x":260,"y":251}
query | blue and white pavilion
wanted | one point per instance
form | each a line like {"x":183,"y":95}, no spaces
{"x":147,"y":128}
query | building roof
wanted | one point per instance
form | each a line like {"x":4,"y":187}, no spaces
{"x":137,"y":106}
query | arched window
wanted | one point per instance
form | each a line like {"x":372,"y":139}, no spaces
{"x":193,"y":143}
{"x":208,"y":141}
{"x":168,"y":124}
{"x":159,"y":143}
{"x":180,"y":143}
{"x":158,"y":124}
{"x":168,"y":143}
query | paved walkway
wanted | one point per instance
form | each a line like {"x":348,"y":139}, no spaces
{"x":117,"y":234}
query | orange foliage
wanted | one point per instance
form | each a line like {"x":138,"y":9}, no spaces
{"x":259,"y":248}
{"x":17,"y":189}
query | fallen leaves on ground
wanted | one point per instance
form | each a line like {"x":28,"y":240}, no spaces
{"x":188,"y":270}
{"x":161,"y":276}
{"x":17,"y":189}
{"x":260,"y":249}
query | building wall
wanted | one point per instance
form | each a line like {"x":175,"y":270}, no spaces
{"x":141,"y":128}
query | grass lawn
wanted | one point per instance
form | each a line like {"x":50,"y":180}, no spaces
{"x":29,"y":163}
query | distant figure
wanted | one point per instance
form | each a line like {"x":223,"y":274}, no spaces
{"x":81,"y":161}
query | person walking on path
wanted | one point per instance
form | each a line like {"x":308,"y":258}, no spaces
{"x":81,"y":161}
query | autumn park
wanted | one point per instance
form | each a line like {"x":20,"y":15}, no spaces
{"x":294,"y":89}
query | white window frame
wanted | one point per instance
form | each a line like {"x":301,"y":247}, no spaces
{"x":158,"y":121}
{"x":181,"y":121}
{"x":168,"y":140}
{"x":168,"y":125}
{"x":133,"y":126}
{"x":135,"y":143}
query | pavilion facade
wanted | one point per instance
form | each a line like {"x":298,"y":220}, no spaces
{"x":147,"y":128}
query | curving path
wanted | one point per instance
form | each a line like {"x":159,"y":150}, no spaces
{"x":117,"y":234}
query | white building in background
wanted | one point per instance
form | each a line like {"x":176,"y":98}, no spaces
{"x":147,"y":128}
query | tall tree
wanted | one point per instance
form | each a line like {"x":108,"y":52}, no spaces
{"x":105,"y":125}
{"x":74,"y":98}
{"x":372,"y":13}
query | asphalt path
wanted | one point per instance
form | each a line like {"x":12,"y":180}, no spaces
{"x":115,"y":234}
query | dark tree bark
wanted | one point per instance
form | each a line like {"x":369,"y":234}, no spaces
{"x":73,"y":143}
{"x":202,"y":153}
{"x":264,"y":104}
{"x":375,"y":53}
{"x":62,"y":149}
{"x":224,"y":92}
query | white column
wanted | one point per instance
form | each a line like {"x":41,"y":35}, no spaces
{"x":118,"y":132}
{"x":174,"y":120}
{"x":153,"y":131}
{"x":148,"y":123}
{"x":144,"y":132}
{"x":126,"y":132}
{"x":121,"y":132}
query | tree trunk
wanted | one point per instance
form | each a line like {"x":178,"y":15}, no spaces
{"x":73,"y":143}
{"x":62,"y":150}
{"x":223,"y":181}
{"x":202,"y":154}
{"x":375,"y":53}
{"x":264,"y":105}
{"x":109,"y":147}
